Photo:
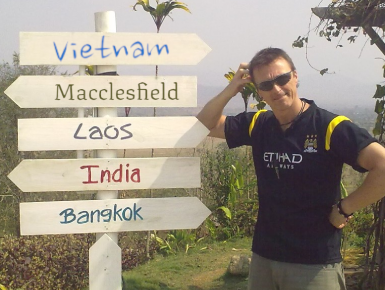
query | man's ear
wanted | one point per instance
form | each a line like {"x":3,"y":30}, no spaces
{"x":295,"y":75}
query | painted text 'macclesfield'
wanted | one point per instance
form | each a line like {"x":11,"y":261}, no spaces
{"x":140,"y":92}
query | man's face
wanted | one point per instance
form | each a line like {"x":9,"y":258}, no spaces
{"x":280,"y":97}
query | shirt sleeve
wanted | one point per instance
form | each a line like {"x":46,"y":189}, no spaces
{"x":347,"y":140}
{"x":237,"y":129}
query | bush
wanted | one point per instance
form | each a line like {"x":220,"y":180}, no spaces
{"x":241,"y":223}
{"x":45,"y":262}
{"x":60,"y":262}
{"x":133,"y":247}
{"x":229,"y":182}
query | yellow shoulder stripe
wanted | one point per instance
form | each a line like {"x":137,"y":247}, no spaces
{"x":255,"y":117}
{"x":332,"y":125}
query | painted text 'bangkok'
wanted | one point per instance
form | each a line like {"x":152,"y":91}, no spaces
{"x":104,"y":215}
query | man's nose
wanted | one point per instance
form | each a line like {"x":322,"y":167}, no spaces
{"x":276,"y":88}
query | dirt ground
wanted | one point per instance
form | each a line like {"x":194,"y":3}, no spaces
{"x":353,"y":277}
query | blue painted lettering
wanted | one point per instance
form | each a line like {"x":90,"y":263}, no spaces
{"x":86,"y":50}
{"x":73,"y":50}
{"x":118,"y":51}
{"x":83,"y":51}
{"x":158,"y":49}
{"x":68,"y":213}
{"x":140,"y":49}
{"x":102,"y":49}
{"x":84,"y":217}
{"x":117,"y":213}
{"x":63,"y":53}
{"x":108,"y":214}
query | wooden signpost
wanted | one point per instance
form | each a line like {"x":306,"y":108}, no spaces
{"x":93,"y":48}
{"x":103,"y":91}
{"x":106,"y":174}
{"x":108,"y":260}
{"x":111,"y":215}
{"x":110,"y":133}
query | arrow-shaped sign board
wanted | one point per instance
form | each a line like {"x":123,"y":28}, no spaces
{"x":96,"y":48}
{"x":111,"y":215}
{"x":109,"y":133}
{"x":106,"y":174}
{"x":103,"y":91}
{"x":105,"y":264}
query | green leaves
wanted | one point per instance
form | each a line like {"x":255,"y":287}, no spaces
{"x":226,"y":210}
{"x":378,"y":129}
{"x":300,"y":41}
{"x":323,"y":71}
{"x":379,"y":108}
{"x":344,"y":192}
{"x":247,"y":91}
{"x":161,"y":11}
{"x":352,"y":39}
{"x":380,"y":92}
{"x":175,"y":241}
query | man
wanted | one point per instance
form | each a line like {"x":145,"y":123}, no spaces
{"x":298,"y":151}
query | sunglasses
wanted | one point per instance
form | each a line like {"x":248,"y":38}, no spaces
{"x":281,"y":80}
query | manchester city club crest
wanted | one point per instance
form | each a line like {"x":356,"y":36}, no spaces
{"x":310,"y":144}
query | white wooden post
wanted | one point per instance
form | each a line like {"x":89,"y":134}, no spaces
{"x":82,"y":72}
{"x":100,"y":262}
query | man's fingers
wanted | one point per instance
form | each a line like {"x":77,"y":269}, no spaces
{"x":243,"y":74}
{"x":244,"y":65}
{"x":243,"y":70}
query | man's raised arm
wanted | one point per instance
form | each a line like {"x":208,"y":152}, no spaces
{"x":211,"y":114}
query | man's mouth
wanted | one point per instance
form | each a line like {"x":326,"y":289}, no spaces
{"x":278,"y":97}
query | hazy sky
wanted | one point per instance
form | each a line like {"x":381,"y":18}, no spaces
{"x":235,"y":30}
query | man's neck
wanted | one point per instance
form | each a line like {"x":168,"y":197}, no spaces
{"x":288,"y":116}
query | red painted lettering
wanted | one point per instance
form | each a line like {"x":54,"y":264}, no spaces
{"x":89,"y":173}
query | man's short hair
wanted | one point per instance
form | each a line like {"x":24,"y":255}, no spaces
{"x":267,"y":56}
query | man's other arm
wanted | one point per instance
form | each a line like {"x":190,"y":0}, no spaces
{"x":372,"y":158}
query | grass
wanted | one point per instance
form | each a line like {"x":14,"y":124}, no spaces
{"x":205,"y":269}
{"x":199,"y":269}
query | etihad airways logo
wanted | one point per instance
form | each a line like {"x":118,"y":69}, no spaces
{"x":281,"y":160}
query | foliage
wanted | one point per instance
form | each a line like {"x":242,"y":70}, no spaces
{"x":346,"y":19}
{"x":240,"y":222}
{"x":161,"y":11}
{"x":176,"y":241}
{"x":356,"y":231}
{"x":247,"y":91}
{"x":133,"y":247}
{"x":379,"y":126}
{"x":345,"y":16}
{"x":45,"y":262}
{"x":226,"y":176}
{"x":59,"y":262}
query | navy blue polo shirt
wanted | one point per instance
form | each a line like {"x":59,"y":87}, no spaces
{"x":298,"y":174}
